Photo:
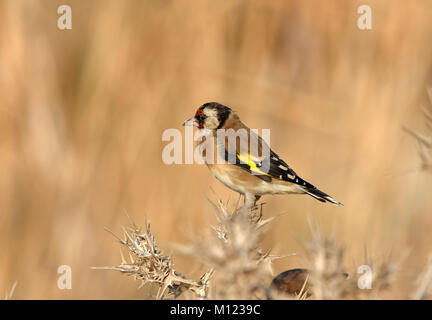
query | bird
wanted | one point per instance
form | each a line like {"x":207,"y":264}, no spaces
{"x":252,"y":172}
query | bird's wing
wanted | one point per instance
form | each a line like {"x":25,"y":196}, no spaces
{"x":265,"y":164}
{"x":259,"y":160}
{"x":280,"y":170}
{"x":241,"y":152}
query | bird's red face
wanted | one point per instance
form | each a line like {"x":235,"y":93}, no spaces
{"x":200,"y":117}
{"x":198,"y":120}
{"x":210,"y":116}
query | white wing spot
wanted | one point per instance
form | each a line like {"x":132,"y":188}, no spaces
{"x":283,"y":167}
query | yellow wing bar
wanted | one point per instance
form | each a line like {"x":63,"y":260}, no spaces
{"x":253,"y":165}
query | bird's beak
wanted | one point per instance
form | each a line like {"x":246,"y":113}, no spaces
{"x":191,"y":122}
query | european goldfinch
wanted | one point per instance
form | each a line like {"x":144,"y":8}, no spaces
{"x":241,"y":169}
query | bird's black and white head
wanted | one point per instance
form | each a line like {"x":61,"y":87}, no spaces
{"x":210,"y":116}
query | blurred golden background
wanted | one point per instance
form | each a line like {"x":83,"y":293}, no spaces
{"x":83,"y":111}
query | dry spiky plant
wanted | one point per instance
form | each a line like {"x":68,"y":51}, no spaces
{"x":424,"y":141}
{"x":328,"y":279}
{"x":238,"y":268}
{"x":148,"y":264}
{"x":382,"y":277}
{"x":424,"y":287}
{"x":9,"y":294}
{"x":232,"y":249}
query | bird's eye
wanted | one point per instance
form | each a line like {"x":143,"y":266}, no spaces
{"x":202,"y":117}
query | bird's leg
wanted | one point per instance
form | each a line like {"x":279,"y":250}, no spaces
{"x":256,"y":216}
{"x":256,"y":206}
{"x":250,"y":207}
{"x":257,"y":197}
{"x":249,"y":202}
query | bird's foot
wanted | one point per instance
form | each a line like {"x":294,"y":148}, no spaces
{"x":256,"y":212}
{"x":251,"y":209}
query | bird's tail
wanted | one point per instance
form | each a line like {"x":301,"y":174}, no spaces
{"x":321,"y":196}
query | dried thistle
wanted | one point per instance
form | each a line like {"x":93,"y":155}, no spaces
{"x":327,"y":278}
{"x":382,"y":275}
{"x":148,"y":264}
{"x":242,"y":269}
